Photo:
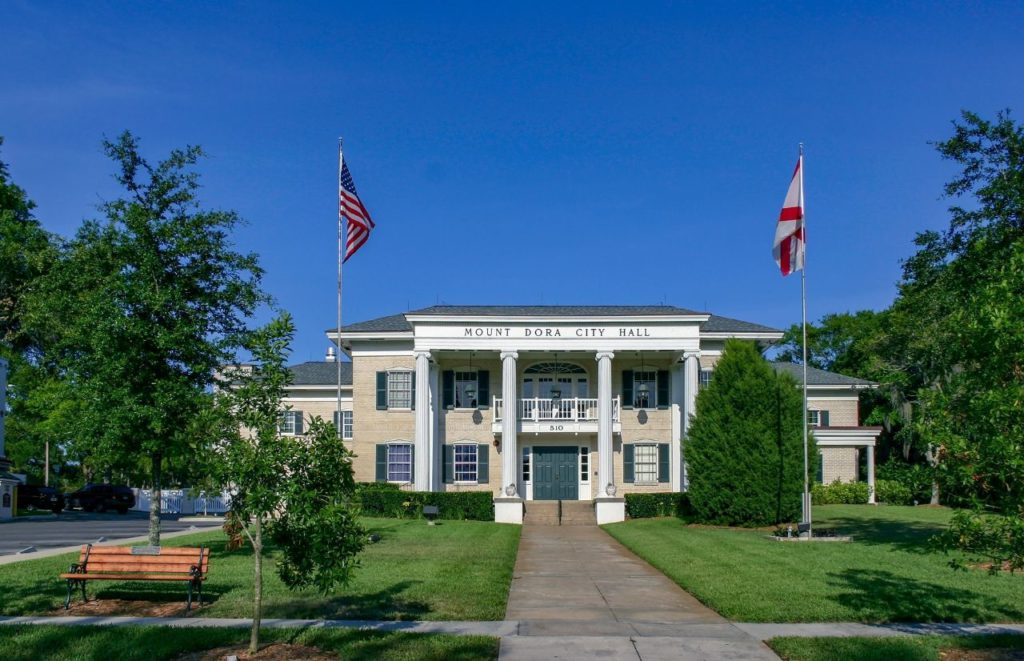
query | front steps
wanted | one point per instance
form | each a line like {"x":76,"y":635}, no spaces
{"x":560,"y":513}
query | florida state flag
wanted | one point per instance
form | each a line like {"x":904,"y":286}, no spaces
{"x":790,"y":238}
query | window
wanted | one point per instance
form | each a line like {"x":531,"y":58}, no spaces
{"x":813,"y":418}
{"x":704,"y":380}
{"x":584,"y":464}
{"x":346,"y":424}
{"x":526,"y":464}
{"x":466,"y":462}
{"x":647,"y":379}
{"x":400,"y":390}
{"x":645,"y":463}
{"x":400,"y":462}
{"x":290,"y":423}
{"x":466,"y":383}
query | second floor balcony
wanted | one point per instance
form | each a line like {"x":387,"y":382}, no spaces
{"x":555,"y":415}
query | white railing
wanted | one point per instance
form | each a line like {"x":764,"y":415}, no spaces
{"x":178,"y":501}
{"x":569,"y":409}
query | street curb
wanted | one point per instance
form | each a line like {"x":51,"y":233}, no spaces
{"x":49,"y":553}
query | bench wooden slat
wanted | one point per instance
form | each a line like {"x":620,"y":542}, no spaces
{"x":128,"y":577}
{"x":150,"y":567}
{"x":164,"y":550}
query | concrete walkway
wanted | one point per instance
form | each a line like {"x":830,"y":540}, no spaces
{"x":577,"y":593}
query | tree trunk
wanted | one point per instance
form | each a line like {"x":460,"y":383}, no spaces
{"x":935,"y":492}
{"x":257,"y":585}
{"x":154,"y":503}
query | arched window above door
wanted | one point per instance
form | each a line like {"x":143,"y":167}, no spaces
{"x":554,"y":368}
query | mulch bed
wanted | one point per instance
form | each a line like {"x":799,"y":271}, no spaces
{"x":130,"y":607}
{"x":981,"y":655}
{"x":272,"y":652}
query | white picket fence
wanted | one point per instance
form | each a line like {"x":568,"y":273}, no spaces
{"x":178,"y":501}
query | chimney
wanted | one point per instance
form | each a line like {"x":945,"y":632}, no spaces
{"x":331,"y":356}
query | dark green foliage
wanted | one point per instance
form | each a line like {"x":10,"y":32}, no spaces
{"x":892,"y":492}
{"x":647,"y":505}
{"x":994,"y":539}
{"x":387,"y":500}
{"x":745,"y":446}
{"x":840,"y":493}
{"x":915,"y":479}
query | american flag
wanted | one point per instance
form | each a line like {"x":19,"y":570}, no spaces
{"x":351,"y":207}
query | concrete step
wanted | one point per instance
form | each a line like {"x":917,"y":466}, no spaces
{"x":578,"y":513}
{"x":541,"y":512}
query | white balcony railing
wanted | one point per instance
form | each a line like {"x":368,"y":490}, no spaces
{"x":567,"y":409}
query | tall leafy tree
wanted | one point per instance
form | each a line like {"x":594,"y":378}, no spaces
{"x":149,"y":302}
{"x":745,"y":445}
{"x":297,"y":492}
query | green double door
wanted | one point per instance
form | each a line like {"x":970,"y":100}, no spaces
{"x":555,"y":473}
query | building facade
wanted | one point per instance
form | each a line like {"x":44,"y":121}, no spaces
{"x":585,"y":403}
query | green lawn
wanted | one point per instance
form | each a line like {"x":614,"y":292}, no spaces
{"x":905,"y":648}
{"x":28,"y":643}
{"x":888,"y":573}
{"x":456,"y":570}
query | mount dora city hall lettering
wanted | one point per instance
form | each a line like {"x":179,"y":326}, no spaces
{"x":504,"y":331}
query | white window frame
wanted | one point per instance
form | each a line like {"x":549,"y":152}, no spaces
{"x":813,"y":417}
{"x":704,"y":377}
{"x":286,"y":423}
{"x":346,"y":425}
{"x":584,"y":464}
{"x":388,"y":462}
{"x":394,"y":389}
{"x":652,"y":392}
{"x":470,"y":468}
{"x":474,"y":380}
{"x":527,"y":464}
{"x":650,"y":473}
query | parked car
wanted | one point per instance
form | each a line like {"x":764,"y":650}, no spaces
{"x":34,"y":497}
{"x":102,"y":497}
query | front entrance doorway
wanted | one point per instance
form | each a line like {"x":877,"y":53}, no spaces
{"x":555,"y":473}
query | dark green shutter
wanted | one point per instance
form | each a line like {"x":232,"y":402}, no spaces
{"x":412,"y":393}
{"x":663,"y":389}
{"x":627,"y":463}
{"x":382,"y":462}
{"x":382,"y":391}
{"x":663,"y":462}
{"x":337,"y":422}
{"x":448,"y":389}
{"x":627,"y":390}
{"x":448,"y":474}
{"x":297,"y":416}
{"x":821,"y":468}
{"x":483,"y":461}
{"x":412,"y":463}
{"x":483,"y":389}
{"x":823,"y":418}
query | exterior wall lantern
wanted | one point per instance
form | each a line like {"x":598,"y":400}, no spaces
{"x":471,"y":388}
{"x":556,"y":390}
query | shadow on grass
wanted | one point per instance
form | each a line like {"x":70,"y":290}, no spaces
{"x":882,"y":596}
{"x":911,"y":536}
{"x":387,"y":603}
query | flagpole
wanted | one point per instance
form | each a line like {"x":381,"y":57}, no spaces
{"x":803,"y":309}
{"x":337,"y":357}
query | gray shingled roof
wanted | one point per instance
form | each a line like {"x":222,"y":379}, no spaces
{"x":394,"y":323}
{"x":320,"y":373}
{"x":817,"y":377}
{"x":718,"y":324}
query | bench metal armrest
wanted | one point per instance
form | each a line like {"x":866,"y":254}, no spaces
{"x":76,"y":568}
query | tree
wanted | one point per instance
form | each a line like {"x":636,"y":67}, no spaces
{"x":142,"y":308}
{"x":745,"y":445}
{"x":841,"y":343}
{"x":299,"y":492}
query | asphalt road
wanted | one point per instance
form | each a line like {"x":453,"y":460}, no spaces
{"x":71,"y":528}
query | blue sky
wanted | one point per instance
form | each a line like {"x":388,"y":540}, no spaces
{"x":584,"y":153}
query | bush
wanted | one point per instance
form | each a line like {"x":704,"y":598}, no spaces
{"x":387,"y":500}
{"x":647,"y":505}
{"x":745,"y":446}
{"x":916,"y":479}
{"x":892,"y":492}
{"x":840,"y":493}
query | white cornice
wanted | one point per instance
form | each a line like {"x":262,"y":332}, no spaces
{"x":570,"y":319}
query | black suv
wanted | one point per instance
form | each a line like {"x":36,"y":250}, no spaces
{"x":102,"y":497}
{"x":33,"y":497}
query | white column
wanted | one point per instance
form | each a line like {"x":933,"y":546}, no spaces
{"x":871,"y":474}
{"x":434,"y":483}
{"x":509,"y":447}
{"x":605,"y":466}
{"x":422,"y":460}
{"x":678,"y":389}
{"x":691,"y":375}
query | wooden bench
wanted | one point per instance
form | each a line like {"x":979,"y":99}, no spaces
{"x":126,"y":563}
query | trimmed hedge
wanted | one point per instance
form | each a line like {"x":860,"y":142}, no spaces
{"x":647,"y":505}
{"x":387,"y":500}
{"x":840,"y":493}
{"x":892,"y":492}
